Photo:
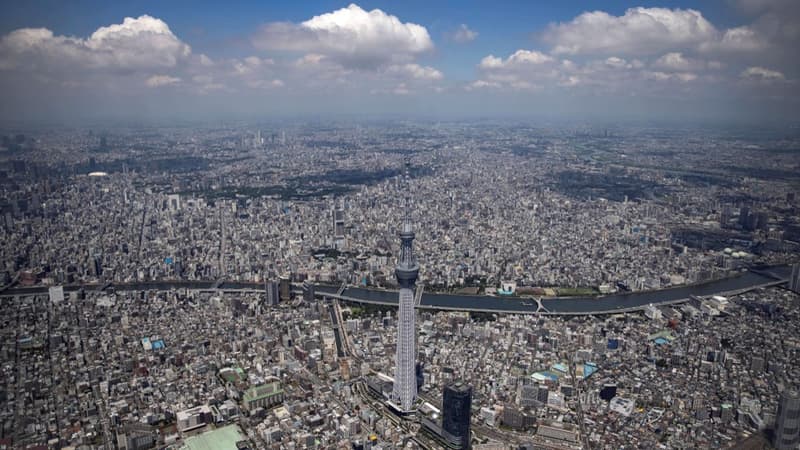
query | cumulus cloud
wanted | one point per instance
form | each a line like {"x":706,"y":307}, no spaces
{"x":534,"y":70}
{"x":162,"y":80}
{"x":678,"y":62}
{"x":416,"y":71}
{"x":520,"y":57}
{"x":250,"y":64}
{"x":351,"y":35}
{"x":761,"y":74}
{"x":463,"y":34}
{"x":141,"y":43}
{"x":482,"y":84}
{"x":638,"y":31}
{"x":683,"y":77}
{"x":648,"y":31}
{"x":739,"y":39}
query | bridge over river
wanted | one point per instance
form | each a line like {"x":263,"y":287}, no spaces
{"x":608,"y":304}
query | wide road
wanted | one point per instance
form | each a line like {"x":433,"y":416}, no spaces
{"x":484,"y":303}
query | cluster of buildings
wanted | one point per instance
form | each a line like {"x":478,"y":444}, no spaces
{"x":706,"y":374}
{"x":244,"y":368}
{"x":544,"y":208}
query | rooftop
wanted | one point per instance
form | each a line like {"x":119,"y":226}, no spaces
{"x":220,"y":439}
{"x":263,"y":391}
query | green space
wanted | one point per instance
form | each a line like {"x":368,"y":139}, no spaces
{"x":224,"y":438}
{"x":577,"y":291}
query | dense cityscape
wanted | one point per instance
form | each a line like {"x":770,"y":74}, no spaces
{"x":519,"y":212}
{"x":507,"y":225}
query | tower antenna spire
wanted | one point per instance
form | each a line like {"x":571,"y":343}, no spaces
{"x":407,"y":197}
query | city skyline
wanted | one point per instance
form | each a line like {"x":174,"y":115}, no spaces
{"x":644,"y":60}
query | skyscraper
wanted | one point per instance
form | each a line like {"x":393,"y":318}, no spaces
{"x":273,"y":292}
{"x":405,"y":380}
{"x":456,"y":406}
{"x":787,"y":422}
{"x":338,"y":228}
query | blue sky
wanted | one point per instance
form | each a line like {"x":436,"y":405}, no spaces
{"x":250,"y":58}
{"x":222,"y":28}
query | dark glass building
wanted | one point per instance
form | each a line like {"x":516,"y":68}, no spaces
{"x":456,"y":408}
{"x":787,"y":423}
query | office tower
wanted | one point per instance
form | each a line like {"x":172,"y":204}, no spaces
{"x":794,"y":280}
{"x":543,"y":394}
{"x":338,"y":228}
{"x":272,"y":289}
{"x":608,"y":392}
{"x":308,"y":292}
{"x":456,"y":406}
{"x":405,"y":380}
{"x":744,"y":214}
{"x":285,"y":287}
{"x":787,"y":422}
{"x":725,"y":216}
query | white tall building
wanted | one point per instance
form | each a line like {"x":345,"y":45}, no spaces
{"x":405,"y":381}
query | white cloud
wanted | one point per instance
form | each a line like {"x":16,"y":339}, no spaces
{"x":683,"y":77}
{"x":162,"y":80}
{"x":463,"y":34}
{"x":520,"y":57}
{"x":251,"y":64}
{"x":206,"y":61}
{"x":652,"y":31}
{"x":672,"y":61}
{"x":739,"y":39}
{"x":638,"y":31}
{"x":533,"y":70}
{"x":490,"y":62}
{"x":352,"y":36}
{"x":678,"y":62}
{"x":416,"y":71}
{"x":743,"y":38}
{"x":762,"y":74}
{"x":481,"y":84}
{"x":142,"y":43}
{"x":616,"y":62}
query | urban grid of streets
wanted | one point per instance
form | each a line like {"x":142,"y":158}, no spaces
{"x":566,"y":210}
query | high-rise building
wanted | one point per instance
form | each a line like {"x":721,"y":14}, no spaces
{"x":285,"y":286}
{"x":273,"y":293}
{"x":456,"y":408}
{"x":405,"y":380}
{"x":608,"y":392}
{"x":308,"y":292}
{"x":787,"y":422}
{"x":338,"y":228}
{"x":794,"y":280}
